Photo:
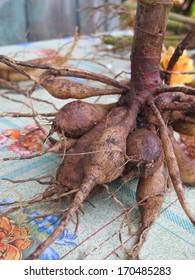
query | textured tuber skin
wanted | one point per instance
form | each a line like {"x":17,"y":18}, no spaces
{"x":150,"y":196}
{"x":145,"y":153}
{"x":152,"y":189}
{"x":63,"y":88}
{"x":76,"y":118}
{"x":70,"y":172}
{"x":109,"y":157}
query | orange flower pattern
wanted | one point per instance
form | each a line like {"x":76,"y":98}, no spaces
{"x":29,"y":139}
{"x":184,"y":64}
{"x":13,"y":239}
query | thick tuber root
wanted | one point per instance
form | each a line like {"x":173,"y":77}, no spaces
{"x":63,"y":88}
{"x":150,"y":196}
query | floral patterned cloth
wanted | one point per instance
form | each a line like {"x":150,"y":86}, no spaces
{"x":14,"y":237}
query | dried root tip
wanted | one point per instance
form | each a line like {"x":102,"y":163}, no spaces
{"x":145,"y":154}
{"x":186,"y":165}
{"x":26,"y":157}
{"x":62,"y":145}
{"x":134,"y":253}
{"x":76,"y":118}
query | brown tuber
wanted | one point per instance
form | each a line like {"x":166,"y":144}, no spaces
{"x":150,"y":193}
{"x":145,"y":154}
{"x":150,"y":196}
{"x":185,"y":164}
{"x":10,"y":74}
{"x":76,"y":118}
{"x":104,"y":162}
{"x":70,"y":172}
{"x":63,"y":88}
{"x":184,"y":127}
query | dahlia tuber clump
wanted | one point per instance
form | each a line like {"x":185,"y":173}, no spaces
{"x":132,"y":138}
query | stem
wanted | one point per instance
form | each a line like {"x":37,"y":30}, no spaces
{"x":147,"y":46}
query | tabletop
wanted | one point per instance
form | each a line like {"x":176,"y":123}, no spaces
{"x":100,"y":234}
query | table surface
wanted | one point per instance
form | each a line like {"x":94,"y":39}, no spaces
{"x":171,"y":237}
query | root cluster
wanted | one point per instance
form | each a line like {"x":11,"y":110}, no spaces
{"x":132,"y":138}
